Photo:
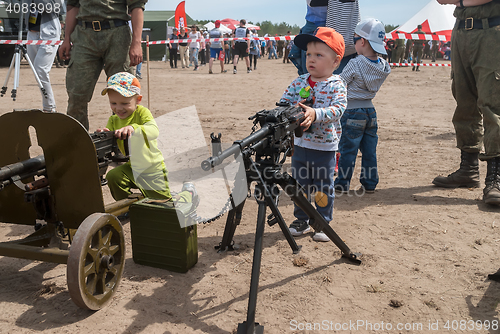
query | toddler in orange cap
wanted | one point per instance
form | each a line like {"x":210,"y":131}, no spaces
{"x":323,"y":97}
{"x":146,"y":169}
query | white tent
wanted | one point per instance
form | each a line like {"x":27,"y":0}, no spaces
{"x":434,"y":18}
{"x":223,"y":29}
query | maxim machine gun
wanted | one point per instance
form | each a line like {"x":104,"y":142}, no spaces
{"x":270,"y":145}
{"x":59,"y":193}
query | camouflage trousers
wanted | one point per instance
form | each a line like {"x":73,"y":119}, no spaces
{"x":91,"y":52}
{"x":476,"y":87}
{"x":399,"y":54}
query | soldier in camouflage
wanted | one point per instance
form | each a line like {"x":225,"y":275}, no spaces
{"x":101,"y":38}
{"x":475,"y":86}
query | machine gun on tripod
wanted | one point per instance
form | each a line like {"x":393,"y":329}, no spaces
{"x":270,"y":145}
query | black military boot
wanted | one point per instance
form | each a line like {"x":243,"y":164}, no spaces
{"x":466,"y":176}
{"x":491,"y":193}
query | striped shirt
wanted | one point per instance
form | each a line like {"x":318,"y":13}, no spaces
{"x":363,"y":79}
{"x":343,"y":17}
{"x":329,"y":105}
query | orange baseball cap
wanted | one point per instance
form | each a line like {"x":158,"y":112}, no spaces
{"x":322,"y":34}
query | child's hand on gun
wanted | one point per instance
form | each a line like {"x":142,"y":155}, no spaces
{"x":124,"y":132}
{"x":309,"y":114}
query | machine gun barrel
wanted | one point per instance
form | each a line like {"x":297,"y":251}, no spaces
{"x":277,"y":128}
{"x":237,"y":147}
{"x":22,"y":168}
{"x":106,"y":151}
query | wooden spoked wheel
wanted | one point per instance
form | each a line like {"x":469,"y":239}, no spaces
{"x":96,"y":261}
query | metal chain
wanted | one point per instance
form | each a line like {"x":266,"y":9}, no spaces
{"x":201,"y":220}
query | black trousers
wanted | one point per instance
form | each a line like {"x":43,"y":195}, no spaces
{"x":173,"y":57}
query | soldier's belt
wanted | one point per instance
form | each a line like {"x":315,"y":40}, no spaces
{"x":101,"y":25}
{"x":471,"y":23}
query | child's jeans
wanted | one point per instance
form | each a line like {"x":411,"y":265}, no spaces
{"x":314,"y":171}
{"x":359,"y":131}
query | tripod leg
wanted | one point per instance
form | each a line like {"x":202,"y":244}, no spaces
{"x":298,"y":196}
{"x":37,"y":78}
{"x":233,"y":220}
{"x":281,"y":222}
{"x":17,"y":67}
{"x":250,"y":327}
{"x":4,"y":87}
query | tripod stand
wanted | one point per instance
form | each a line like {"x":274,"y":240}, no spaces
{"x":270,"y":145}
{"x":20,"y":52}
{"x":268,"y":176}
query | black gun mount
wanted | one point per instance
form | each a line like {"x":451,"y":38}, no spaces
{"x":270,"y":145}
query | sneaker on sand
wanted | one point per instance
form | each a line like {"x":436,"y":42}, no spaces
{"x":362,"y":189}
{"x":210,"y":72}
{"x":299,"y":227}
{"x":320,"y":236}
{"x":340,"y":189}
{"x":189,"y":186}
{"x":249,"y":71}
{"x":234,"y":71}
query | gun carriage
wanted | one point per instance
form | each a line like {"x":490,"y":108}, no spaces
{"x":59,"y":194}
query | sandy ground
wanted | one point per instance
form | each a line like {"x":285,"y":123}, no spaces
{"x":426,"y":251}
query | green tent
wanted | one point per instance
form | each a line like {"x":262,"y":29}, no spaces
{"x":155,"y":25}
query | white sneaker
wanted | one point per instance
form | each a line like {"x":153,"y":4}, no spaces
{"x":234,"y":71}
{"x":299,"y":227}
{"x":320,"y":236}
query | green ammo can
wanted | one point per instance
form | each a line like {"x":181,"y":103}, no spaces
{"x":163,"y":235}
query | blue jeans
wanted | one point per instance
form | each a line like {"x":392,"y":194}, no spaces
{"x":298,"y":56}
{"x":272,"y":52}
{"x":359,"y":131}
{"x":193,"y":52}
{"x":314,"y":171}
{"x":138,"y":69}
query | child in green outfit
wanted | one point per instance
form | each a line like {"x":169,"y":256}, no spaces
{"x":146,"y":170}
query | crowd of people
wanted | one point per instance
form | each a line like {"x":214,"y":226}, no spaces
{"x":413,"y":51}
{"x":228,"y":51}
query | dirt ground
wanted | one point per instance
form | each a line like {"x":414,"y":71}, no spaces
{"x":426,"y":251}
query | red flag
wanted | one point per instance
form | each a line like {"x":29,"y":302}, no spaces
{"x":180,"y":16}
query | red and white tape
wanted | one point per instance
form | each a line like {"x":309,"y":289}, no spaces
{"x":30,"y":42}
{"x":57,"y":42}
{"x":427,"y":37}
{"x":276,"y":38}
{"x":415,"y":64}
